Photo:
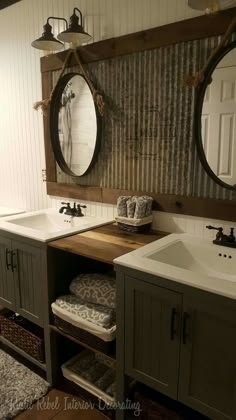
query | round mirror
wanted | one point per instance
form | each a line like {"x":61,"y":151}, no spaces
{"x":75,"y":125}
{"x":215,"y":118}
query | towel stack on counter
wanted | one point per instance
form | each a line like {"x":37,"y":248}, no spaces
{"x":134,"y":213}
{"x":91,"y":305}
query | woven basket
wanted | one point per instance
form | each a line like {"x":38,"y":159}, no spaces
{"x":23,"y":334}
{"x":133,"y":228}
{"x":107,"y":347}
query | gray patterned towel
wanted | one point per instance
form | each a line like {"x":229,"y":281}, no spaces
{"x":149,"y":201}
{"x":97,"y":314}
{"x":122,"y":205}
{"x":95,"y":288}
{"x":111,"y":389}
{"x":107,"y":379}
{"x":143,"y":207}
{"x":131,"y":207}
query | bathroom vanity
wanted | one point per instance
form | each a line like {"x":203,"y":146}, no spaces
{"x":176,"y":309}
{"x":178,"y":334}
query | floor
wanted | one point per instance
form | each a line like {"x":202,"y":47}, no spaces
{"x":59,"y":405}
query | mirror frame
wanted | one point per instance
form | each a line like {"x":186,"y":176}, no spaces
{"x":54,"y":134}
{"x":197,"y":124}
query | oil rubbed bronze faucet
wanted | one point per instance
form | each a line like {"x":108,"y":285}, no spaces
{"x":222,"y":239}
{"x":72,"y":211}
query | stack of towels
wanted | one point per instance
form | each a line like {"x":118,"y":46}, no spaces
{"x":134,"y":210}
{"x":91,"y":305}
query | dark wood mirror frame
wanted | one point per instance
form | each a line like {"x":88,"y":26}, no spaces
{"x":201,"y":90}
{"x":54,"y":133}
{"x":191,"y":29}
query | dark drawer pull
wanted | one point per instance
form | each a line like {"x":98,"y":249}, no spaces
{"x":186,"y":317}
{"x":8,"y":264}
{"x":13,"y":263}
{"x":172,"y":324}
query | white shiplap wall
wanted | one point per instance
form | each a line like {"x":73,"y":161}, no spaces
{"x":21,"y":128}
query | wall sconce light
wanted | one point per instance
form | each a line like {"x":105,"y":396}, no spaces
{"x":74,"y":34}
{"x":211,"y":6}
{"x":47,"y":42}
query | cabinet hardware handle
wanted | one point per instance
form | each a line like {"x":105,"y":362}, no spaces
{"x":13,"y":265}
{"x":8,"y":264}
{"x":186,"y":317}
{"x":172,"y":324}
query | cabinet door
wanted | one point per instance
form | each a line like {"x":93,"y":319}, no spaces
{"x":7,"y":285}
{"x":28,"y":275}
{"x":152,"y":336}
{"x":208,"y":357}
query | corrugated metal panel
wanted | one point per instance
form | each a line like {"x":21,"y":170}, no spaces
{"x":147,"y":142}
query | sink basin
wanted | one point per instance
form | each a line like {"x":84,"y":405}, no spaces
{"x":198,"y":257}
{"x":49,"y":224}
{"x":189,"y":260}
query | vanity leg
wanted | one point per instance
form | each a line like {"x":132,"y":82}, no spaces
{"x":121,"y":388}
{"x":51,"y":355}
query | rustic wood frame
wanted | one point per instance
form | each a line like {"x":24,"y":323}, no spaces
{"x":6,"y":3}
{"x":187,"y":30}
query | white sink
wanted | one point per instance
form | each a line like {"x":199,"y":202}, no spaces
{"x":49,"y":224}
{"x":188,"y":260}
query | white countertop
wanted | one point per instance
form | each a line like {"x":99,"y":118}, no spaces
{"x":8,"y":211}
{"x":217,"y":281}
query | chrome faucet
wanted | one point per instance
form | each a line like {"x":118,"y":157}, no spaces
{"x":72,"y":211}
{"x":222,"y":239}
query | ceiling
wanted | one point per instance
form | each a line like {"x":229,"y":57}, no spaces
{"x":6,"y":3}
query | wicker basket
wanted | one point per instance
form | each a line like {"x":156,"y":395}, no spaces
{"x":107,"y":347}
{"x":133,"y":228}
{"x":23,"y":334}
{"x":134,"y":225}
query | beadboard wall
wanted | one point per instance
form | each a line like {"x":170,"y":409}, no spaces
{"x":21,"y":140}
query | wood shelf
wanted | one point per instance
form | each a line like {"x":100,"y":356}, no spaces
{"x":22,"y":353}
{"x":75,"y":340}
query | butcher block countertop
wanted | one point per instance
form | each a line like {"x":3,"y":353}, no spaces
{"x":105,"y":243}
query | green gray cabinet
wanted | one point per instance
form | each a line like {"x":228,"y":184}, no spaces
{"x":181,"y":342}
{"x":207,"y":376}
{"x":152,"y":335}
{"x":21,"y":278}
{"x":7,"y":285}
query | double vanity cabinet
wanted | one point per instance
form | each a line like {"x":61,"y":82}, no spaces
{"x":173,"y":337}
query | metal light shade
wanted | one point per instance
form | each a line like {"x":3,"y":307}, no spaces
{"x":211,"y":5}
{"x":75,"y":33}
{"x":47,"y":42}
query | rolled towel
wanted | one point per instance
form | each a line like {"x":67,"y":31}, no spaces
{"x":94,"y":372}
{"x":111,"y":390}
{"x":131,"y":204}
{"x":122,"y":205}
{"x":140,"y":209}
{"x":106,"y":380}
{"x":149,"y":201}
